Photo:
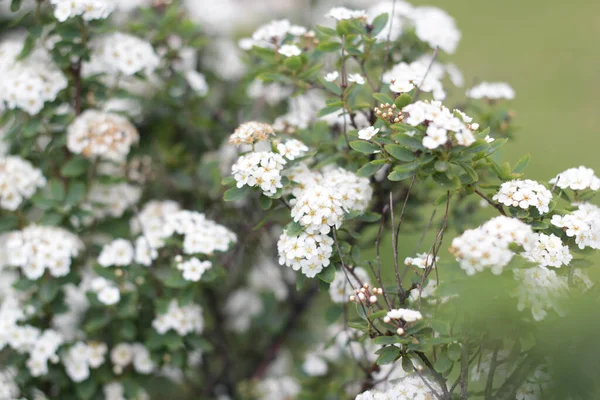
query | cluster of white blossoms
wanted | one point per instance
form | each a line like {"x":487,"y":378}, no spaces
{"x":422,"y":261}
{"x":251,"y":132}
{"x":37,"y":248}
{"x":99,"y":134}
{"x":318,"y":209}
{"x":272,"y":34}
{"x":29,"y":83}
{"x":261,"y":169}
{"x":404,"y":314}
{"x":81,"y":357}
{"x":540,"y":290}
{"x":110,"y":200}
{"x":121,"y":53}
{"x":535,"y":386}
{"x":107,"y":291}
{"x":412,"y":387}
{"x":292,"y":149}
{"x":124,"y":354}
{"x":183,"y":320}
{"x":151,"y":220}
{"x":193,"y":269}
{"x":344,"y":284}
{"x":549,"y":251}
{"x":118,"y":253}
{"x":290,"y":50}
{"x":88,"y":9}
{"x":241,"y":307}
{"x":580,"y":178}
{"x":18,"y":181}
{"x":278,"y":388}
{"x":405,"y":77}
{"x":440,"y":122}
{"x":343,"y":13}
{"x":309,"y":253}
{"x":583,"y":224}
{"x":43,"y":350}
{"x":9,"y":389}
{"x":487,"y":247}
{"x":524,"y":194}
{"x":492,"y":91}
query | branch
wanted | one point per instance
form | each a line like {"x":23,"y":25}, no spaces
{"x":439,"y":378}
{"x":490,"y":378}
{"x":515,"y":380}
{"x":418,"y":91}
{"x":491,"y":202}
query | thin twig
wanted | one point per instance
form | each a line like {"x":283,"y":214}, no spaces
{"x":418,"y":91}
{"x":497,"y":206}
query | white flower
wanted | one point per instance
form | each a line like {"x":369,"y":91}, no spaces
{"x":411,"y":387}
{"x":88,"y":9}
{"x":183,"y":320}
{"x":292,"y":149}
{"x":331,"y":76}
{"x":193,"y":269}
{"x":19,"y":180}
{"x":368,"y":133}
{"x":119,"y":252}
{"x":548,"y":251}
{"x":122,"y":354}
{"x":99,"y":134}
{"x":272,"y":34}
{"x":492,"y":91}
{"x":109,"y":295}
{"x":197,"y":82}
{"x":343,"y":13}
{"x":540,"y":290}
{"x":262,"y":169}
{"x":240,"y":308}
{"x":290,"y":50}
{"x":310,"y":253}
{"x":150,"y":222}
{"x":423,"y":73}
{"x":580,"y":178}
{"x":121,"y":53}
{"x":251,"y":132}
{"x":401,"y":86}
{"x":404,"y":314}
{"x":314,"y":365}
{"x":422,"y":261}
{"x":278,"y":388}
{"x":524,"y":194}
{"x":81,"y":357}
{"x":436,"y":28}
{"x":583,"y":224}
{"x":340,"y":289}
{"x":356,"y":78}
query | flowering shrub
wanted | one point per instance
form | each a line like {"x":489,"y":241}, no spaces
{"x":239,"y":232}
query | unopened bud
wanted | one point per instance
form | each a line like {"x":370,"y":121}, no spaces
{"x":387,"y":319}
{"x":119,"y":272}
{"x":361,"y":296}
{"x":400,"y":331}
{"x":118,"y":370}
{"x":373,"y":299}
{"x":353,"y":298}
{"x":380,"y":291}
{"x":178,"y":258}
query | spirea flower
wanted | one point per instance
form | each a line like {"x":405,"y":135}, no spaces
{"x":318,"y":209}
{"x":436,"y":28}
{"x":81,"y":357}
{"x":580,"y":178}
{"x":344,"y":284}
{"x":487,"y":247}
{"x":88,"y":9}
{"x":404,"y":314}
{"x":354,"y":192}
{"x":421,"y":73}
{"x":193,"y":269}
{"x":99,"y":134}
{"x":19,"y":180}
{"x":29,"y":83}
{"x":368,"y":133}
{"x":150,"y":221}
{"x":183,"y":320}
{"x":251,"y":132}
{"x":343,"y":13}
{"x":110,"y":200}
{"x":272,"y":34}
{"x":549,"y":251}
{"x":261,"y":169}
{"x":281,"y":387}
{"x":121,"y":53}
{"x":314,"y":365}
{"x":524,"y":194}
{"x":119,"y":252}
{"x":535,"y":386}
{"x":492,"y":91}
{"x":412,"y":387}
{"x":196,"y":81}
{"x":292,"y":149}
{"x":240,"y":308}
{"x":422,"y":261}
{"x":108,"y":293}
{"x":331,"y":76}
{"x":540,"y":290}
{"x":441,"y":124}
{"x":37,"y":248}
{"x":289,"y":50}
{"x":356,"y":78}
{"x":583,"y":224}
{"x":124,"y":354}
{"x":309,"y":253}
{"x":8,"y":386}
{"x":43,"y":349}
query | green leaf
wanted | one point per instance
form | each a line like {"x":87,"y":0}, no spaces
{"x":76,"y":166}
{"x":387,"y":355}
{"x":31,"y":128}
{"x":331,"y":86}
{"x":454,"y":352}
{"x":378,"y":24}
{"x":265,"y":202}
{"x":446,"y":182}
{"x":470,"y":171}
{"x":386,"y":340}
{"x":175,"y":280}
{"x":521,"y":164}
{"x":86,"y":389}
{"x":293,"y":228}
{"x":328,"y":110}
{"x":402,"y":172}
{"x":128,"y":330}
{"x":236,"y":193}
{"x":327,"y":274}
{"x":15,"y":5}
{"x":364,"y":147}
{"x":369,"y":169}
{"x":408,"y":141}
{"x":403,"y":100}
{"x":8,"y":223}
{"x":57,"y":189}
{"x":328,"y":46}
{"x":96,"y":323}
{"x":48,"y":290}
{"x":407,"y":365}
{"x":370,"y":216}
{"x":443,"y":363}
{"x":75,"y":193}
{"x":495,"y":145}
{"x":34,"y":33}
{"x":383,"y":98}
{"x":333,"y":313}
{"x":294,"y":63}
{"x":399,"y":152}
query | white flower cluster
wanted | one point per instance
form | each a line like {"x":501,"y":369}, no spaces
{"x":580,"y":178}
{"x":548,"y":251}
{"x":9,"y":389}
{"x":318,"y":209}
{"x":492,"y":91}
{"x":183,"y":320}
{"x":121,"y":53}
{"x":290,"y":50}
{"x":524,"y":194}
{"x":110,"y":200}
{"x":262,"y":169}
{"x":137,"y":354}
{"x":535,"y":386}
{"x":292,"y":149}
{"x":368,"y":133}
{"x":405,"y":77}
{"x":273,"y":93}
{"x":251,"y":132}
{"x":309,"y":253}
{"x":107,"y":291}
{"x":481,"y":369}
{"x":344,"y":284}
{"x":150,"y":221}
{"x":432,"y":25}
{"x":404,"y":314}
{"x":422,"y":261}
{"x":343,"y":13}
{"x":99,"y":134}
{"x":583,"y":224}
{"x":118,"y":253}
{"x":240,"y":308}
{"x":272,"y":34}
{"x":412,"y":387}
{"x":440,"y":122}
{"x":487,"y":247}
{"x":81,"y":357}
{"x":18,"y":181}
{"x":278,"y":388}
{"x":37,"y":248}
{"x":193,"y":269}
{"x":88,"y":9}
{"x":44,"y":349}
{"x":29,"y":83}
{"x":540,"y":289}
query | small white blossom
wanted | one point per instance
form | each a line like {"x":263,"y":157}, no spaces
{"x":583,"y":224}
{"x":331,"y":76}
{"x":405,"y":314}
{"x":343,"y":13}
{"x":119,"y":252}
{"x":262,"y":169}
{"x":580,"y":178}
{"x":368,"y":133}
{"x":193,"y":269}
{"x":524,"y":194}
{"x":292,"y":149}
{"x":240,"y":308}
{"x":121,"y":53}
{"x":290,"y":50}
{"x":356,"y":78}
{"x":340,"y":289}
{"x":88,"y":9}
{"x":183,"y":320}
{"x":549,"y":251}
{"x":422,"y":261}
{"x":19,"y":180}
{"x":492,"y":91}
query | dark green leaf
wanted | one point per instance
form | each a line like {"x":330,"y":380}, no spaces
{"x":15,"y":5}
{"x":236,"y":193}
{"x":265,"y":202}
{"x":495,"y":145}
{"x":383,"y":98}
{"x":293,"y":228}
{"x":364,"y":147}
{"x":399,"y":152}
{"x":378,"y":24}
{"x":446,"y":182}
{"x":521,"y":164}
{"x":327,"y":274}
{"x":329,"y":46}
{"x":76,"y":166}
{"x":368,"y":169}
{"x":387,"y":355}
{"x":75,"y":193}
{"x":403,"y":100}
